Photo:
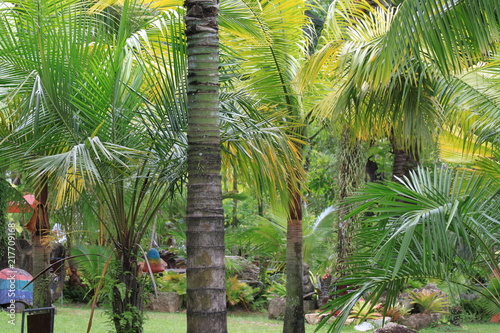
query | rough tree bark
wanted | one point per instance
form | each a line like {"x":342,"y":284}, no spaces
{"x":206,"y":292}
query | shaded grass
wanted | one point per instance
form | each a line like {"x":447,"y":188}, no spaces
{"x":72,"y":319}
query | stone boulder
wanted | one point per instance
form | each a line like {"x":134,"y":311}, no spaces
{"x":276,"y":308}
{"x":381,"y":322}
{"x":394,"y":328}
{"x":420,"y":321}
{"x":246,"y":270}
{"x":363,"y":327}
{"x":166,"y":302}
{"x":307,"y":285}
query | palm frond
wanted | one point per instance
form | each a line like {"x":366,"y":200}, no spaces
{"x":435,"y":224}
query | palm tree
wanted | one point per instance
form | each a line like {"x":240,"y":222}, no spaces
{"x":271,"y":41}
{"x":385,"y":86}
{"x":388,"y":76}
{"x":206,"y":293}
{"x":78,"y":124}
{"x":399,"y":68}
{"x":445,"y":229}
{"x":29,"y":67}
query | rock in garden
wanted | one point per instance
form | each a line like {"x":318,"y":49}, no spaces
{"x":276,"y":308}
{"x":313,"y":318}
{"x":394,"y":328}
{"x":363,"y":327}
{"x":420,"y":321}
{"x":380,"y":322}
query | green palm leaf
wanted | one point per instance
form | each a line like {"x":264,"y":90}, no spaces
{"x":434,"y":225}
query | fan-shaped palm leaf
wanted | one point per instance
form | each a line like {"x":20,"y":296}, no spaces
{"x":437,"y":223}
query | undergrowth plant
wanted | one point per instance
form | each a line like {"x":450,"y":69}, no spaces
{"x":172,"y":282}
{"x":364,"y":310}
{"x":237,"y":292}
{"x":276,"y":289}
{"x":429,"y":301}
{"x":396,"y":312}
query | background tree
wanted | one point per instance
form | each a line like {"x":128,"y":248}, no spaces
{"x":378,"y":95}
{"x":403,"y":85}
{"x":272,"y":37}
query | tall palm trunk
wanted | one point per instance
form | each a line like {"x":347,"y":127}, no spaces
{"x":349,"y":177}
{"x":294,"y":311}
{"x":206,"y":292}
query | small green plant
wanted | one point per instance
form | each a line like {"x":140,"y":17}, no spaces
{"x":473,"y":311}
{"x":364,"y":310}
{"x":396,"y":312}
{"x":237,"y":292}
{"x":172,"y":282}
{"x":427,"y":301}
{"x":276,"y":289}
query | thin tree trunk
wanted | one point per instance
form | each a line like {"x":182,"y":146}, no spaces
{"x":127,"y":295}
{"x":206,"y":291}
{"x":234,"y":218}
{"x":294,"y":311}
{"x":349,"y":176}
{"x":404,"y":162}
{"x":41,"y":249}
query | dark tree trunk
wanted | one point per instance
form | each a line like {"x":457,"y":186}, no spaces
{"x":349,"y":176}
{"x":127,"y":292}
{"x":404,"y":162}
{"x":371,"y":168}
{"x":206,"y":290}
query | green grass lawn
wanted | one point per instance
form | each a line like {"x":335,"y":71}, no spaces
{"x":71,"y":319}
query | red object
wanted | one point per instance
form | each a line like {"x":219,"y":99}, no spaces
{"x":24,"y":206}
{"x":495,"y":318}
{"x":156,"y":267}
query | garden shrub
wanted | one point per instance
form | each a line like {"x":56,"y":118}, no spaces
{"x":237,"y":292}
{"x":172,"y":282}
{"x":473,"y":311}
{"x":427,"y":301}
{"x":364,"y":310}
{"x":396,"y":312}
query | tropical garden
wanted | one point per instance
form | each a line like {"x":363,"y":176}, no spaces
{"x":350,"y":143}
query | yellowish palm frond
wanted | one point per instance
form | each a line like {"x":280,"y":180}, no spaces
{"x":100,"y":5}
{"x":454,"y":148}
